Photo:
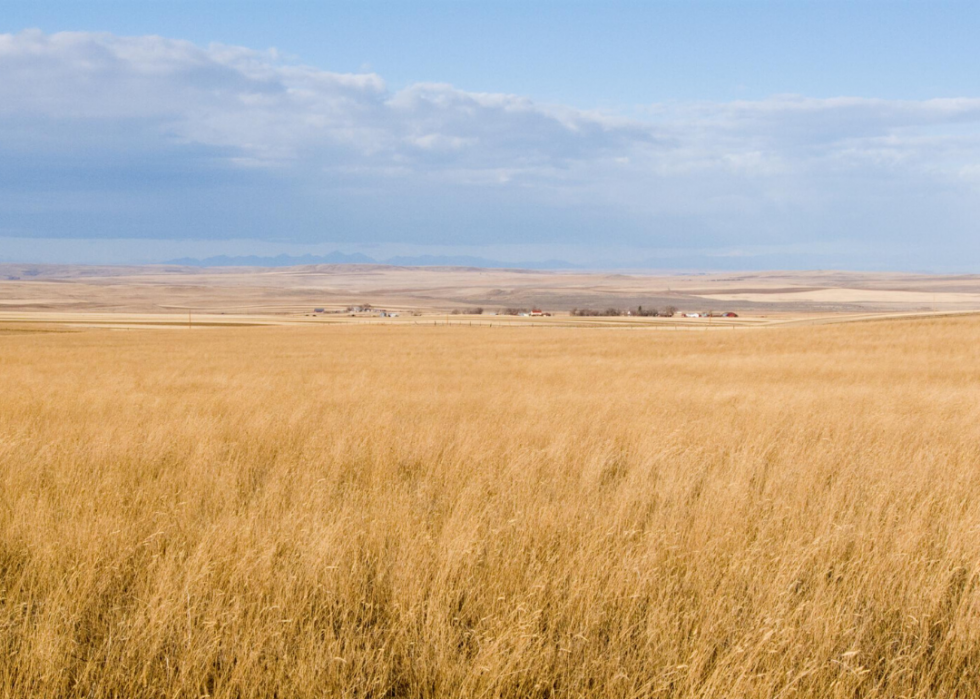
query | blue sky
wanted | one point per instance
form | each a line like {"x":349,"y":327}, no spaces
{"x":753,"y":134}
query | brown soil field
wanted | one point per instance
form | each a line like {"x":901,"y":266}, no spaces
{"x":425,"y":511}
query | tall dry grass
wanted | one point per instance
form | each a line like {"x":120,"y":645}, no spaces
{"x":421,"y":512}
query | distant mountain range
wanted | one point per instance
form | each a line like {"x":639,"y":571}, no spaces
{"x":675,"y":263}
{"x":335,"y":258}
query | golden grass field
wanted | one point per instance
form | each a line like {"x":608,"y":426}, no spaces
{"x":510,"y":512}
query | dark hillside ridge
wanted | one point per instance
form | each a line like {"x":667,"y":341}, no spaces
{"x":360,"y":259}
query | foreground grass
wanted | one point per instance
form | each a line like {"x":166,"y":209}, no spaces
{"x":373,"y":512}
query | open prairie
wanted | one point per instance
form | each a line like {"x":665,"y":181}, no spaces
{"x":296,"y":291}
{"x":418,"y":511}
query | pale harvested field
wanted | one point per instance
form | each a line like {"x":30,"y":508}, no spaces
{"x":412,"y":511}
{"x":297,"y":290}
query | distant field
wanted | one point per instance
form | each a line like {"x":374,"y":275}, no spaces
{"x":296,"y":291}
{"x":419,"y":511}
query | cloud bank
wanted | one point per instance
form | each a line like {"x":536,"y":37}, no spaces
{"x":103,"y":136}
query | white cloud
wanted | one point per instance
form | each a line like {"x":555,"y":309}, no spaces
{"x":714,"y":170}
{"x":269,"y":110}
{"x":272,"y":111}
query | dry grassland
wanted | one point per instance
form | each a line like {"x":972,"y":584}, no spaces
{"x":290,"y":291}
{"x":422,"y":512}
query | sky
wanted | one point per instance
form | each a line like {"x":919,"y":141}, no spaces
{"x":714,"y":135}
